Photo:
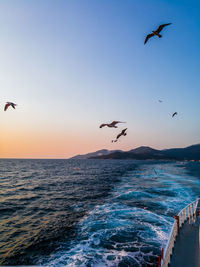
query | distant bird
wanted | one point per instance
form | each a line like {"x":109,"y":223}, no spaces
{"x":123,"y":133}
{"x":111,"y":125}
{"x":156,"y":33}
{"x":160,"y":101}
{"x":156,"y":174}
{"x":8,"y":104}
{"x":174,"y":114}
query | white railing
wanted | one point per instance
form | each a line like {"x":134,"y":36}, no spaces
{"x":187,"y":213}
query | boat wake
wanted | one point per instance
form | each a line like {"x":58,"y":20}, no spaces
{"x":131,"y":228}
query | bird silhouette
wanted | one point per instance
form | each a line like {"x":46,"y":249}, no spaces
{"x":160,"y":101}
{"x":156,"y":33}
{"x":156,"y":174}
{"x":123,"y":133}
{"x":111,"y":125}
{"x":174,"y":114}
{"x":8,"y":104}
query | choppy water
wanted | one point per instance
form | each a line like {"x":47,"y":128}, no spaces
{"x":90,"y":212}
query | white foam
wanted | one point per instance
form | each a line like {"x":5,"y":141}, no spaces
{"x":103,"y":234}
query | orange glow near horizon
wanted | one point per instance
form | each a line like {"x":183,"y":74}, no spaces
{"x":36,"y":144}
{"x":31,"y":135}
{"x":30,"y":143}
{"x":40,"y":145}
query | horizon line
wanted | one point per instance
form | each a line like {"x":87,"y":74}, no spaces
{"x":95,"y":151}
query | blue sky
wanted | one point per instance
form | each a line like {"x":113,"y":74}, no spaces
{"x":70,"y":65}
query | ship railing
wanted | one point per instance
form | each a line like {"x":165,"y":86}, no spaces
{"x":187,"y":213}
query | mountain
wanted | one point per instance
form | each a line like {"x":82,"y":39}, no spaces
{"x":143,"y":152}
{"x":138,"y":155}
{"x":190,"y":152}
{"x":98,"y":153}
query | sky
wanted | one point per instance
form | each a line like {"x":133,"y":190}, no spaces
{"x":72,"y":65}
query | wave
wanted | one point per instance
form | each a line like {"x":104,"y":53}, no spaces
{"x":133,"y":226}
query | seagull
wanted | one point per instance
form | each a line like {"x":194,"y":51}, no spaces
{"x":123,"y":132}
{"x":8,"y":104}
{"x":175,"y":113}
{"x":157,"y":32}
{"x":111,"y":125}
{"x":156,"y":174}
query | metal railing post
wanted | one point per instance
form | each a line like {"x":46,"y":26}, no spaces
{"x":177,"y":222}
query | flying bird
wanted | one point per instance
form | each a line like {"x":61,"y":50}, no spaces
{"x":111,"y":125}
{"x":156,"y":33}
{"x":123,"y":133}
{"x":160,"y":101}
{"x":156,"y":174}
{"x":174,"y":114}
{"x":8,"y":104}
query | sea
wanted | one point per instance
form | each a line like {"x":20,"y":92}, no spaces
{"x":90,"y":212}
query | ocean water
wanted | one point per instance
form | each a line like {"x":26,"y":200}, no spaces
{"x":90,"y":212}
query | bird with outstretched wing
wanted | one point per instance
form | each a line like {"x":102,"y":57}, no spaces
{"x":111,"y":125}
{"x":123,"y":132}
{"x":8,"y":104}
{"x":174,"y":114}
{"x":156,"y":32}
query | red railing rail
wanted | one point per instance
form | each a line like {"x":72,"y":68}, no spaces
{"x":186,"y":213}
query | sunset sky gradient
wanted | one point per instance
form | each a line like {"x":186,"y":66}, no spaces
{"x":71,"y":65}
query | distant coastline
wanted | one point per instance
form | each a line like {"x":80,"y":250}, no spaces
{"x":146,"y":153}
